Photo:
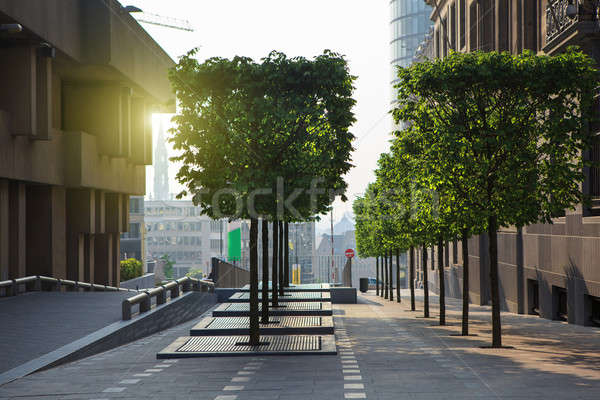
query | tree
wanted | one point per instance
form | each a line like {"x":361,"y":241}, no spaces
{"x":503,"y":134}
{"x":168,"y":269}
{"x":246,"y":129}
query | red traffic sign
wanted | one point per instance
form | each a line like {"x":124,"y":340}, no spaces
{"x":349,"y":253}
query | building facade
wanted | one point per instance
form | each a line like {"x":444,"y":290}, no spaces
{"x":75,"y":135}
{"x":301,"y":238}
{"x":177,"y":229}
{"x":133,"y":242}
{"x":409,"y":25}
{"x":548,"y":269}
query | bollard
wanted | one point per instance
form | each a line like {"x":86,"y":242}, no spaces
{"x":146,"y":304}
{"x":161,"y":297}
{"x":126,"y":309}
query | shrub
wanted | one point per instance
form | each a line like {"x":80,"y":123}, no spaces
{"x":131,"y":268}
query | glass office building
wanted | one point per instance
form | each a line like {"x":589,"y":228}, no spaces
{"x":409,"y":25}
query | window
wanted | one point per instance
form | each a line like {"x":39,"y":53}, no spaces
{"x":530,"y":26}
{"x":215,"y":226}
{"x":595,"y":170}
{"x":444,"y":37}
{"x":134,"y":230}
{"x":215,"y":244}
{"x":453,"y":27}
{"x":462,"y":18}
{"x":486,"y":25}
{"x":533,"y":290}
{"x":559,"y":297}
{"x":473,"y":27}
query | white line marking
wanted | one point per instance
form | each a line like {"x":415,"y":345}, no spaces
{"x":129,"y":381}
{"x":113,"y":390}
{"x":233,"y":388}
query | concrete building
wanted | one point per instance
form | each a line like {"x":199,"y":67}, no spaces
{"x":133,"y":242}
{"x":177,"y":229}
{"x":550,"y":270}
{"x":79,"y":82}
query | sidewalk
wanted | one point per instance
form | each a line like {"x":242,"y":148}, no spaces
{"x":384,"y":353}
{"x":35,"y":323}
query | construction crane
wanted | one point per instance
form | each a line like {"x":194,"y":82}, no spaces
{"x":155,"y":19}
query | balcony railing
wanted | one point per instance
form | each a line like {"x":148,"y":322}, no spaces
{"x":557,"y":20}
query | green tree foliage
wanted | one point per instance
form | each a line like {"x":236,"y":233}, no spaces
{"x":131,"y":268}
{"x":168,"y":270}
{"x":499,"y":137}
{"x":255,"y":137}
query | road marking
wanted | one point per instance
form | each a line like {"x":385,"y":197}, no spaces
{"x":240,"y":379}
{"x":226,"y":397}
{"x":353,"y":378}
{"x":129,"y":381}
{"x":233,"y":388}
{"x":355,"y":396}
{"x":354,"y":386}
{"x":153,"y":370}
{"x":113,"y":390}
{"x":351,"y":371}
{"x":246,"y":372}
{"x":142,"y":375}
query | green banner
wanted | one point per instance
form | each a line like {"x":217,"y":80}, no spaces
{"x":234,"y":245}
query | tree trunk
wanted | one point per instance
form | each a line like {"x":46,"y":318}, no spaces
{"x":377,"y":274}
{"x":274,"y":267}
{"x":385,"y":279}
{"x":442,"y":281}
{"x":398,"y":296}
{"x":493,"y":253}
{"x":286,"y":264}
{"x":254,"y":324}
{"x":265,"y":272}
{"x":389,"y":255}
{"x":411,"y":281}
{"x":281,"y":284}
{"x":425,"y":284}
{"x":465,"y":292}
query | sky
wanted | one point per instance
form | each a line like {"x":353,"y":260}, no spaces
{"x":358,"y":29}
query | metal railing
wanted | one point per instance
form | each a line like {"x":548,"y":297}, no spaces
{"x":12,"y":286}
{"x":175,"y":289}
{"x":557,"y":20}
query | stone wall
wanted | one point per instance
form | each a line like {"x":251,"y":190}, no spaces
{"x":227,"y":275}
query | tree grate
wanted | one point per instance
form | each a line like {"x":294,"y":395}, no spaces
{"x":288,"y":306}
{"x":213,"y":344}
{"x":244,"y":322}
{"x":288,"y":296}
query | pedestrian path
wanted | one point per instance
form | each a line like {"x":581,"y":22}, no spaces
{"x":384,"y":352}
{"x":36,"y":323}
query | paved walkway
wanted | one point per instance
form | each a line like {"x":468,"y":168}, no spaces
{"x":35,"y":323}
{"x":385,"y":353}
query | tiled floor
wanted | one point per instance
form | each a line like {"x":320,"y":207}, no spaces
{"x":384,"y":353}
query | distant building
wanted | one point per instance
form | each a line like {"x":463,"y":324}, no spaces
{"x":176,"y":228}
{"x":133,"y":241}
{"x":301,"y":238}
{"x":80,"y":80}
{"x":161,"y":167}
{"x":409,"y":24}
